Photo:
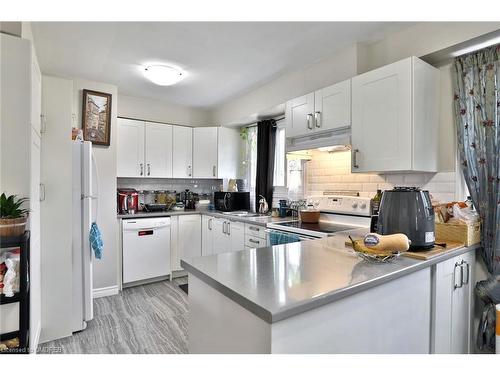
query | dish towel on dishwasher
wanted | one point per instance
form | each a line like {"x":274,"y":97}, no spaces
{"x":280,"y":238}
{"x":95,"y":238}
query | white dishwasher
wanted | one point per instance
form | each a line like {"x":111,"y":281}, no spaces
{"x":146,"y":248}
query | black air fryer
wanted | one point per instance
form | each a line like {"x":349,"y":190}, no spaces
{"x":408,"y":210}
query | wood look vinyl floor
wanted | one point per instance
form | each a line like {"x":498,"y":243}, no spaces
{"x":148,"y":319}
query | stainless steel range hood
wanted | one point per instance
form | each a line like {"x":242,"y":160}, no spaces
{"x":324,"y":139}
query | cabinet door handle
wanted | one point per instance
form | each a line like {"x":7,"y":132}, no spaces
{"x":42,"y":192}
{"x":149,"y":169}
{"x":189,"y":171}
{"x":255,"y":229}
{"x":43,"y":124}
{"x":467,"y":269}
{"x":229,"y":228}
{"x":354,"y":158}
{"x":309,"y":121}
{"x":209,"y":224}
{"x":224,"y":227}
{"x":213,"y":170}
{"x":317,"y":119}
{"x":253,"y":241}
{"x":142,"y":169}
{"x":456,"y":285}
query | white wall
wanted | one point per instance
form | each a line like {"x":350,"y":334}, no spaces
{"x":338,"y":67}
{"x":106,"y":269}
{"x":160,"y":111}
{"x":332,"y":171}
{"x":422,"y":39}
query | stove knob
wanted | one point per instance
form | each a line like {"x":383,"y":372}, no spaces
{"x":354,"y":204}
{"x":363,"y":205}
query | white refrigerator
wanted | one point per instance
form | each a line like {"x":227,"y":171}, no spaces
{"x":85,"y":203}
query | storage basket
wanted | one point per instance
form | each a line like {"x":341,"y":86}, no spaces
{"x":459,"y":232}
{"x":12,"y":227}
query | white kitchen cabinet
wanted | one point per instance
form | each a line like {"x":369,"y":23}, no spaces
{"x":189,"y":236}
{"x":207,"y":235}
{"x":229,"y":149}
{"x":130,"y":153}
{"x":228,"y":235}
{"x":325,"y":109}
{"x":158,"y":150}
{"x":220,"y":242}
{"x":236,"y":234}
{"x":453,"y":305}
{"x":205,"y":152}
{"x":395,"y":118}
{"x":300,"y":115}
{"x":182,"y":152}
{"x":332,"y":106}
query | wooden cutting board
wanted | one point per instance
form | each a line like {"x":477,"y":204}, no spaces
{"x":434,"y":252}
{"x":428,"y":254}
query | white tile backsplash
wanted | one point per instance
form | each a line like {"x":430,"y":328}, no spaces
{"x":332,"y":171}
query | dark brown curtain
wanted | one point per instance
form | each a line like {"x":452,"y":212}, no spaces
{"x":266,"y":142}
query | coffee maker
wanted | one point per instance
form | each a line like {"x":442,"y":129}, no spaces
{"x":188,"y":198}
{"x":128,"y":201}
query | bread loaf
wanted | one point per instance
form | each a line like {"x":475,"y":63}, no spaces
{"x":398,"y":242}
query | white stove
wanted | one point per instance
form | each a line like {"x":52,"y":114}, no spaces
{"x":338,"y":213}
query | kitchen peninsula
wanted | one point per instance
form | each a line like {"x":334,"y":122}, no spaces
{"x":319,"y":297}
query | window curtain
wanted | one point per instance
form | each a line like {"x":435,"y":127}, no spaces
{"x":266,"y":143}
{"x":477,"y":118}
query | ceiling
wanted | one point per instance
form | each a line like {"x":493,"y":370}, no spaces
{"x":223,"y":60}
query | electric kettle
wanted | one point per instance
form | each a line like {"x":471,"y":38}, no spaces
{"x":408,"y":210}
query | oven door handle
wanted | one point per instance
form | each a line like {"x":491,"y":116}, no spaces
{"x":301,"y":236}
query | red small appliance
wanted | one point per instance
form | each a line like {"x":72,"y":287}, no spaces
{"x":128,"y":201}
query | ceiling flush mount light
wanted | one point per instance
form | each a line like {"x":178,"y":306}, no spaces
{"x":163,"y":75}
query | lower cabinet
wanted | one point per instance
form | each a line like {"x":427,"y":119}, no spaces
{"x":453,"y":305}
{"x":220,"y":235}
{"x":185,"y":238}
{"x":207,"y":235}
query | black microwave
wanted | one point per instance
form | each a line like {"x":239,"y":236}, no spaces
{"x":232,"y":200}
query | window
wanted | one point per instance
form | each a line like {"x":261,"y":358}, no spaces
{"x":279,"y":156}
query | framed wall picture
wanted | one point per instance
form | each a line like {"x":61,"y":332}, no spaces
{"x":96,"y":113}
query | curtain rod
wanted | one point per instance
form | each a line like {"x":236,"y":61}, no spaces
{"x":254,"y":124}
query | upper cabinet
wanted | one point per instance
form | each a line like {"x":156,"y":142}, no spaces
{"x":332,"y":106}
{"x":205,"y":152}
{"x":182,"y":150}
{"x":395,"y":118}
{"x":130,"y":154}
{"x":325,"y":109}
{"x":158,"y":146}
{"x":299,"y":115}
{"x":229,"y":149}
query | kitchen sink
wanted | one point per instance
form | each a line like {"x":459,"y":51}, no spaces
{"x":243,"y":214}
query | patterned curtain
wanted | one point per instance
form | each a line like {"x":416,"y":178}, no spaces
{"x":477,"y":118}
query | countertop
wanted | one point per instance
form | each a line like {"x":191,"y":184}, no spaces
{"x":278,"y":282}
{"x":257,"y":220}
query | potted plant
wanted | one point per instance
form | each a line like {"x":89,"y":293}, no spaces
{"x":12,"y":217}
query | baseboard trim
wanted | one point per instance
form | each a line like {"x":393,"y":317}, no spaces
{"x":36,"y":339}
{"x":104,"y":292}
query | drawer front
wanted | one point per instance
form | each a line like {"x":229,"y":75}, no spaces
{"x":256,"y":242}
{"x":255,"y":230}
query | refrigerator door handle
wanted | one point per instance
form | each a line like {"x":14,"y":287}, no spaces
{"x":95,"y":196}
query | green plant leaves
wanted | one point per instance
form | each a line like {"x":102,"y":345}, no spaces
{"x":10,"y":207}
